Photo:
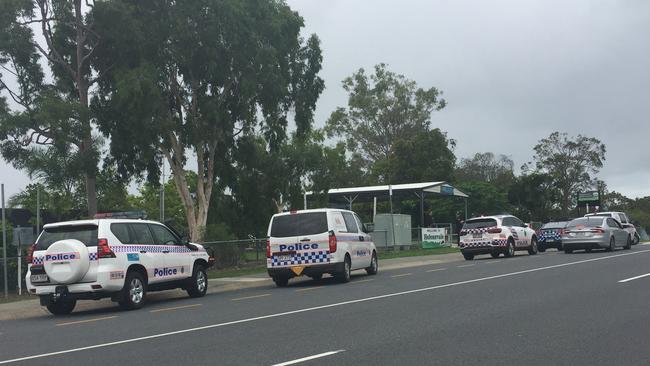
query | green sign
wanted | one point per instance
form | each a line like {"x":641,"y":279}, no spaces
{"x":588,"y":197}
{"x":433,"y":238}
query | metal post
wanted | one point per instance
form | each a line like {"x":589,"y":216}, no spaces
{"x":421,"y":208}
{"x":374,"y":208}
{"x":392,"y":219}
{"x":38,"y":210}
{"x":304,"y":198}
{"x":20,"y":270}
{"x":4,"y":240}
{"x":465,"y":209}
{"x":162,"y":194}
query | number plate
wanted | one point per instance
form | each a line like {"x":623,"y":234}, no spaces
{"x":284,"y":257}
{"x":39,"y":278}
{"x":477,"y":236}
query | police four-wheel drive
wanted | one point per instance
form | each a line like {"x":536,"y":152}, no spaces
{"x":495,"y":235}
{"x":117,"y":258}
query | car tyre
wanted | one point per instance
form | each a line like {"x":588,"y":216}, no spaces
{"x":541,"y":249}
{"x":612,"y":245}
{"x":568,"y":251}
{"x":374,"y":265}
{"x":198,"y":283}
{"x":62,"y":306}
{"x":637,"y":239}
{"x":494,"y":255}
{"x":134,"y":292}
{"x":281,"y":281}
{"x":628,"y":245}
{"x":346,"y":272}
{"x":533,"y":247}
{"x":510,"y":252}
{"x":468,"y":256}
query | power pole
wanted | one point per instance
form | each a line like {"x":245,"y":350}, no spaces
{"x":4,"y":240}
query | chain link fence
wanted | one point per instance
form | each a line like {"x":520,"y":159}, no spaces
{"x":232,"y":254}
{"x":13,"y":275}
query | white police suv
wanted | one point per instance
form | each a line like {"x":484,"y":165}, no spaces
{"x":495,"y":235}
{"x":314,"y":242}
{"x":118,"y":258}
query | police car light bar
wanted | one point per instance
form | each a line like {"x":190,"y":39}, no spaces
{"x":122,"y":215}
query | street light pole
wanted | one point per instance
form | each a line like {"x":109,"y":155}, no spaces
{"x":4,"y":240}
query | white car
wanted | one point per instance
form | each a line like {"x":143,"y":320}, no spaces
{"x":118,"y":258}
{"x":314,"y":242}
{"x":621,"y":217}
{"x":495,"y":235}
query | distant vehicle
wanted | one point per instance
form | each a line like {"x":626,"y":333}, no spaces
{"x":315,"y":242}
{"x":595,"y":232}
{"x":122,"y":259}
{"x":550,"y":235}
{"x":495,"y":235}
{"x":621,"y":217}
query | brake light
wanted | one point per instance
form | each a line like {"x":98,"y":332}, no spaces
{"x":495,"y":230}
{"x":268,"y":248}
{"x":332,"y":241}
{"x":30,"y":253}
{"x":103,"y":250}
{"x":599,"y":230}
{"x":562,"y":231}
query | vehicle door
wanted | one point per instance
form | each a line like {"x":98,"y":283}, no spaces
{"x":620,"y":235}
{"x":143,"y":250}
{"x":352,"y":237}
{"x":365,"y":240}
{"x":175,"y":255}
{"x":522,"y":233}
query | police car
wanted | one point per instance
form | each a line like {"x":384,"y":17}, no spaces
{"x":550,"y":235}
{"x":315,"y":242}
{"x":118,"y":258}
{"x":495,"y":235}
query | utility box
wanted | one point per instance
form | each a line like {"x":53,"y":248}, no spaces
{"x":382,"y":235}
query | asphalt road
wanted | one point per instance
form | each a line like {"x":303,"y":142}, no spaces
{"x":548,"y":309}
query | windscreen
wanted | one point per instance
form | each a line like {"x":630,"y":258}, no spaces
{"x":86,"y":234}
{"x":300,"y":224}
{"x":480,"y":223}
{"x":585,"y":222}
{"x":554,"y":225}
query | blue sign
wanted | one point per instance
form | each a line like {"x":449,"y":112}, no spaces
{"x":133,"y":257}
{"x":447,"y":190}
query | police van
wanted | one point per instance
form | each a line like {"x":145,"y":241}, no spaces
{"x":319,"y":241}
{"x":118,"y":258}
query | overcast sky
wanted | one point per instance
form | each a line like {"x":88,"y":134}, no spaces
{"x":512,"y":72}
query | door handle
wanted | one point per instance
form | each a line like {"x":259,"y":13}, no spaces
{"x":305,"y":239}
{"x":165,"y":251}
{"x":361,"y":238}
{"x":143,"y":251}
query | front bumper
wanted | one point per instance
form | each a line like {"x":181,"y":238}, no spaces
{"x":310,"y":270}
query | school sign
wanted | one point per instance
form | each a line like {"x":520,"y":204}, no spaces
{"x":433,"y":238}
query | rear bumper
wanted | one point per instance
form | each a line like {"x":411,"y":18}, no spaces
{"x":493,"y":246}
{"x":319,"y":269}
{"x":48,"y":298}
{"x":545,"y":244}
{"x":582,"y":243}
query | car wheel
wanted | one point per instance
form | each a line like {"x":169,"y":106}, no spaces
{"x":511,"y":249}
{"x":61,"y":307}
{"x":568,"y":251}
{"x":374,"y":265}
{"x":134,"y":292}
{"x":316,"y":277}
{"x":628,"y":245}
{"x":494,"y":255}
{"x":533,"y":247}
{"x":588,"y":250}
{"x":281,"y":281}
{"x":637,"y":239}
{"x":612,"y":245}
{"x":541,"y":249}
{"x":198,"y":285}
{"x":468,"y":256}
{"x":345,"y":274}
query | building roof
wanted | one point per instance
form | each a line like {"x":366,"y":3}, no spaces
{"x":442,"y":188}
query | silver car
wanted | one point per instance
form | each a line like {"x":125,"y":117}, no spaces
{"x":595,"y":232}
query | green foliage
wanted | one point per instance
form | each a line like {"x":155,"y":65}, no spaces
{"x":534,"y":197}
{"x":148,"y":200}
{"x":383,"y":108}
{"x":486,"y":167}
{"x":425,"y":157}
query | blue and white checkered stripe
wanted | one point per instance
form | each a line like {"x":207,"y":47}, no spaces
{"x":550,"y":236}
{"x":479,"y":244}
{"x":321,"y":256}
{"x":150,"y":248}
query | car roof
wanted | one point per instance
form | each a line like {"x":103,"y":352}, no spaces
{"x":312,"y":210}
{"x":493,"y":217}
{"x":96,"y":222}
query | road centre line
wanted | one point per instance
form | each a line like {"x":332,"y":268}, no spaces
{"x":175,"y":308}
{"x":437,"y":269}
{"x":310,"y":288}
{"x":362,"y":281}
{"x":401,"y":275}
{"x":497,"y":261}
{"x":467,"y":265}
{"x":249,"y":297}
{"x":87,"y":320}
{"x":309,"y":358}
{"x":634,"y":278}
{"x":315,"y":308}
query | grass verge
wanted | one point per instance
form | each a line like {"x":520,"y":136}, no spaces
{"x":390,"y":254}
{"x":236,"y":272}
{"x":15,"y":297}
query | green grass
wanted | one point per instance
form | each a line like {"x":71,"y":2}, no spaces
{"x":389,"y":254}
{"x":236,"y":272}
{"x":15,"y":297}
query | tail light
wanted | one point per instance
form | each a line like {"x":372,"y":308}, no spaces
{"x":496,"y":230}
{"x":103,"y":250}
{"x":598,"y":230}
{"x":268,"y":248}
{"x":333,"y":243}
{"x":562,"y":231}
{"x":30,"y":253}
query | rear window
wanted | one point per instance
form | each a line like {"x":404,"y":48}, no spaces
{"x":86,"y":234}
{"x":586,"y":222}
{"x":480,"y":223}
{"x":310,"y":223}
{"x":554,"y":225}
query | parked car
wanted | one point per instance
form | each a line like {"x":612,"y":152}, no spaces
{"x":550,"y":235}
{"x":123,"y":259}
{"x":622,"y":218}
{"x":496,"y":235}
{"x":595,"y":232}
{"x":315,"y":242}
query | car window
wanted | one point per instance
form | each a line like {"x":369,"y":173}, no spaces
{"x":480,"y":223}
{"x":612,"y":223}
{"x":508,"y":221}
{"x":584,"y":222}
{"x":163,"y":236}
{"x":517,"y":222}
{"x":554,"y":225}
{"x":359,"y":223}
{"x":140,"y":234}
{"x":86,"y":234}
{"x":350,"y":223}
{"x":122,"y":233}
{"x":624,"y":219}
{"x":300,"y":224}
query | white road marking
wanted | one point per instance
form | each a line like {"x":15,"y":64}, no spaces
{"x":437,"y":269}
{"x":250,"y":297}
{"x":362,"y":281}
{"x":310,"y":288}
{"x":466,"y":265}
{"x":634,"y":278}
{"x":497,"y":261}
{"x":321,"y":307}
{"x":401,"y":275}
{"x":309,"y":358}
{"x":87,"y":320}
{"x":175,"y":308}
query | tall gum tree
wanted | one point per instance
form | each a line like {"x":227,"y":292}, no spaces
{"x":187,"y":79}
